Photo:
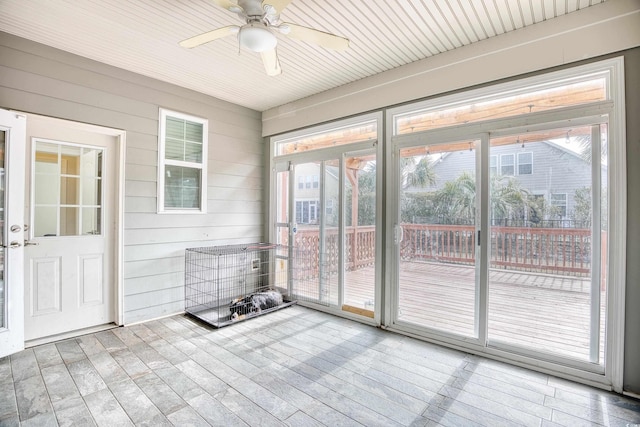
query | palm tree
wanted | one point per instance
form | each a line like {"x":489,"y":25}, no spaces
{"x":417,"y":172}
{"x":508,"y":198}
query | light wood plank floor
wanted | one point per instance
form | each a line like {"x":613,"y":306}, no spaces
{"x":295,"y":367}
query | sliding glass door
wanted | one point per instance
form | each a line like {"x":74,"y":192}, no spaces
{"x":502,"y":240}
{"x":327,"y":206}
{"x":548,"y":231}
{"x":436,"y":235}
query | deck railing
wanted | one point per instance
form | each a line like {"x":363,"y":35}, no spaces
{"x":542,"y":250}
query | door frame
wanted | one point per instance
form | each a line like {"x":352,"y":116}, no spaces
{"x":575,"y":116}
{"x":118,"y":186}
{"x":289,"y":162}
{"x":12,"y":335}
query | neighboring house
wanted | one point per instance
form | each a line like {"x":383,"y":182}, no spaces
{"x":307,"y":192}
{"x":544,"y":169}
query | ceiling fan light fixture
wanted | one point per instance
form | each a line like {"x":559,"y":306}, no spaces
{"x":257,"y":38}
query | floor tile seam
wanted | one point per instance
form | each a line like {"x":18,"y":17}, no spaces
{"x":447,"y":408}
{"x":298,"y":361}
{"x":519,"y":408}
{"x":589,"y":410}
{"x":336,"y":389}
{"x":456,"y":398}
{"x":317,"y":395}
{"x":382,"y":389}
{"x":506,"y":389}
{"x":590,"y":421}
{"x":440,"y":417}
{"x":223,"y":362}
{"x":609,"y":402}
{"x":50,"y":404}
{"x":86,"y":405}
{"x":512,"y":371}
{"x":257,"y":403}
{"x":358,"y":373}
{"x":115,"y":396}
{"x":404,"y":368}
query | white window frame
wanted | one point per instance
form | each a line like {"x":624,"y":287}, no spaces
{"x":524,"y":163}
{"x":614,"y":106}
{"x":162,"y":162}
{"x":329,"y":208}
{"x":497,"y":164}
{"x":555,"y":203}
{"x":513,"y":164}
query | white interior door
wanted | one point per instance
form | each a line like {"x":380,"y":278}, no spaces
{"x":69,"y":274}
{"x":12,"y":136}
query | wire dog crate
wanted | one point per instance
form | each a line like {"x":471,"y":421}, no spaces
{"x":226,"y":284}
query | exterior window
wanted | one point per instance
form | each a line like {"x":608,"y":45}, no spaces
{"x":493,"y":165}
{"x":300,"y":182}
{"x":507,"y":164}
{"x":559,"y":202}
{"x":182,"y":166}
{"x":308,"y":182}
{"x":525,"y":163}
{"x":315,"y":181}
{"x":329,"y":208}
{"x":306,"y":211}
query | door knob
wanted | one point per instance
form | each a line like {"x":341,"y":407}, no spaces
{"x":15,"y":228}
{"x":13,"y":245}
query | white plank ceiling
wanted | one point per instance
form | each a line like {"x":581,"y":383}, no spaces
{"x":142,"y":36}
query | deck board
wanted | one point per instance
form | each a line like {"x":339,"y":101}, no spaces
{"x":545,"y":312}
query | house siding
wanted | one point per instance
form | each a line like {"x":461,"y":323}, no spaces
{"x":555,"y":170}
{"x":38,"y":79}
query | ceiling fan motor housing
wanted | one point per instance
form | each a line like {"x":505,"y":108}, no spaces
{"x":256,"y":37}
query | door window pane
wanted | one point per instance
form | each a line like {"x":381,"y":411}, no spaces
{"x":67,"y":184}
{"x":541,"y":294}
{"x":437,"y":270}
{"x":91,"y":221}
{"x":360,"y":234}
{"x":69,"y":190}
{"x":69,"y":219}
{"x":45,"y":220}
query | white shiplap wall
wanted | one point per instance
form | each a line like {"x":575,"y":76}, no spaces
{"x":41,"y":80}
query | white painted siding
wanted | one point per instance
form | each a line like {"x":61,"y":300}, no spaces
{"x":38,"y":79}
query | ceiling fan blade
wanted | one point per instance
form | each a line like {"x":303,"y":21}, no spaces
{"x":278,"y":5}
{"x":209,"y":36}
{"x":229,"y":5}
{"x":271,"y":63}
{"x":311,"y":35}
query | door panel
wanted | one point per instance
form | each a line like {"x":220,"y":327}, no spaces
{"x":332,"y":229}
{"x":360,"y":233}
{"x":12,"y":137}
{"x":311,"y":244}
{"x":548,"y":244}
{"x":437,"y":271}
{"x":70,"y":253}
{"x":46,"y":286}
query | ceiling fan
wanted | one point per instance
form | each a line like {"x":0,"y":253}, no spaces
{"x":262,"y":21}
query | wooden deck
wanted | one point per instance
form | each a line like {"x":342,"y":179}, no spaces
{"x":545,"y":312}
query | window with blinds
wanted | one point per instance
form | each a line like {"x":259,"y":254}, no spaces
{"x":182,"y":167}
